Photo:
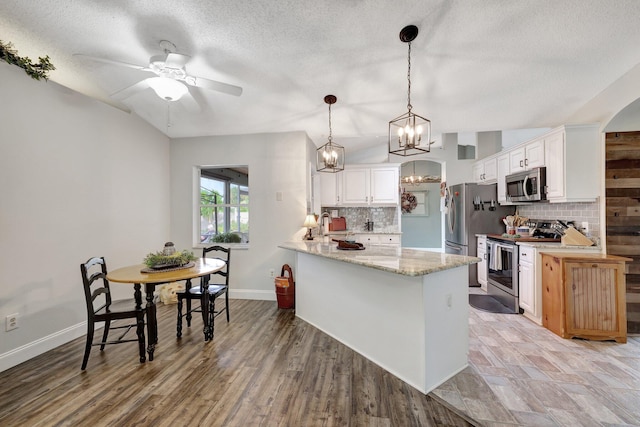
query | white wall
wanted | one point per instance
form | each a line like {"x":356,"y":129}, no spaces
{"x":277,"y":163}
{"x":78,"y":178}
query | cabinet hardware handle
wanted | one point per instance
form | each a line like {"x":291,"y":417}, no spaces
{"x":526,"y":162}
{"x":521,"y":165}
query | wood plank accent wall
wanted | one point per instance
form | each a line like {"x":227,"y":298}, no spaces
{"x":623,"y":212}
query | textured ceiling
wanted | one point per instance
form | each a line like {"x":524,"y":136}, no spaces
{"x":477,"y":65}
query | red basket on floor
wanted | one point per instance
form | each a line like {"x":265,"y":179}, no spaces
{"x":285,"y":288}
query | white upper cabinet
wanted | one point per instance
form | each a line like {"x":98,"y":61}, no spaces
{"x":574,"y":165}
{"x":370,"y":185}
{"x":331,"y":189}
{"x":503,"y":171}
{"x":356,"y":186}
{"x":528,"y":156}
{"x":385,"y":185}
{"x":485,"y":171}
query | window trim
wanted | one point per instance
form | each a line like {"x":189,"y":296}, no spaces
{"x":195,"y":218}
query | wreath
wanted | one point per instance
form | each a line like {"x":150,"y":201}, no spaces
{"x":408,"y":202}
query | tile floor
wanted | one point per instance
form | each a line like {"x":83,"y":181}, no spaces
{"x":522,"y":374}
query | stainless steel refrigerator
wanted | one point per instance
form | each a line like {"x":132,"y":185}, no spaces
{"x":472,"y":209}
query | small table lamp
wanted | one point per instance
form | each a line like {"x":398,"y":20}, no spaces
{"x":310,"y":222}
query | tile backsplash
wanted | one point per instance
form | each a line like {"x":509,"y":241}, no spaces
{"x":385,"y":219}
{"x":577,"y":212}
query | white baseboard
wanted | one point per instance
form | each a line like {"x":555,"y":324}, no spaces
{"x":28,"y":351}
{"x":35,"y":348}
{"x":252,"y":294}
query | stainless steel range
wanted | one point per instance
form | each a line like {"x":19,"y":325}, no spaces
{"x":503,"y":260}
{"x":502,"y":273}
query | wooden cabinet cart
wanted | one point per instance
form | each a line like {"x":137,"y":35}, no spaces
{"x":583,"y":295}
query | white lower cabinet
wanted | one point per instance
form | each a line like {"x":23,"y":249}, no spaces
{"x":482,"y":265}
{"x":378,"y":239}
{"x":530,"y":275}
{"x":526,"y":279}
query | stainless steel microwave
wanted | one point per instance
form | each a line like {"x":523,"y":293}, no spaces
{"x":527,"y":186}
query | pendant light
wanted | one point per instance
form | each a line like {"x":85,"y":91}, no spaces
{"x":409,"y":134}
{"x":330,"y":157}
{"x":414,"y":179}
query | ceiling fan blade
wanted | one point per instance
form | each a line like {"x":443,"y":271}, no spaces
{"x":130,"y":90}
{"x":190,"y":103}
{"x":112,"y":62}
{"x":176,"y":60}
{"x":213,"y":85}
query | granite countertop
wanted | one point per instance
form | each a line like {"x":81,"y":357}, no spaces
{"x":344,"y":232}
{"x":408,"y":262}
{"x":557,"y":245}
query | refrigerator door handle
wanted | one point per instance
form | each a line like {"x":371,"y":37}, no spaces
{"x":453,"y":247}
{"x":451,"y":215}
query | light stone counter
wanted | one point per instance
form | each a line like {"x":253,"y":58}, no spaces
{"x":408,"y":262}
{"x":404,"y":309}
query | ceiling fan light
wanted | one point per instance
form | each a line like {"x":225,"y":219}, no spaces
{"x":166,"y":88}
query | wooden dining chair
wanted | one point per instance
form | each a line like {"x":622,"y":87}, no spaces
{"x":101,"y":308}
{"x":215,"y":285}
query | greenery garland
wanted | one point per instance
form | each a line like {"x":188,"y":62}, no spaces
{"x":160,"y":259}
{"x":35,"y":71}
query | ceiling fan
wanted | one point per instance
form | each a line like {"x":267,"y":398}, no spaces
{"x":171,"y":80}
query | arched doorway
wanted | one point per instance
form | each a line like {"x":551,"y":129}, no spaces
{"x":421,"y":223}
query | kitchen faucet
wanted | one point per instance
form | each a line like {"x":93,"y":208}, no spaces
{"x":323,"y":217}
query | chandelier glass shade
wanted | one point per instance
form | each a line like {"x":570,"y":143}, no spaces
{"x":330,"y":156}
{"x":167,"y":88}
{"x":414,"y":179}
{"x":410,"y":133}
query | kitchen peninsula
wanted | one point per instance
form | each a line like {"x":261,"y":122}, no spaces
{"x":404,"y":309}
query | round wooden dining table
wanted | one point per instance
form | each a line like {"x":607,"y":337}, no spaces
{"x":138,"y":275}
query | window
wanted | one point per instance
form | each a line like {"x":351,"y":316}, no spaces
{"x":224,"y":204}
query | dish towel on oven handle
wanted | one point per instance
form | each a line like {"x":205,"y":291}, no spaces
{"x":495,"y":260}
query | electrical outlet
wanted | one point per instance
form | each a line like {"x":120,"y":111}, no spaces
{"x":272,"y":273}
{"x":11,"y":322}
{"x":449,"y":301}
{"x":585,"y":227}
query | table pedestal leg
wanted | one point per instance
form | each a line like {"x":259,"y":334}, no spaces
{"x":152,"y":323}
{"x":204,"y":305}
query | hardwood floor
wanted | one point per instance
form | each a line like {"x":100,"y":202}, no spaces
{"x":265,"y":368}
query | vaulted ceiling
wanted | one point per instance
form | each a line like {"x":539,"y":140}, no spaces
{"x":476,"y":65}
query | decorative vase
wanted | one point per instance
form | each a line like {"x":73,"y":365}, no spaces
{"x":169,"y":249}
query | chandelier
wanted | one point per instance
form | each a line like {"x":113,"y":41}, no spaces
{"x":414,"y":179}
{"x":330,"y":157}
{"x":409,"y":134}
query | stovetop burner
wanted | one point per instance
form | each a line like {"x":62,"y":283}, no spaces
{"x":545,"y":229}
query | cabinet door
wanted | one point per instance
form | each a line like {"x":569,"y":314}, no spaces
{"x":527,"y":279}
{"x":593,"y":304}
{"x":478,"y":171}
{"x":355,"y":186}
{"x":330,"y":188}
{"x":527,"y":288}
{"x":554,"y":147}
{"x":534,"y":154}
{"x":384,"y":186}
{"x":516,"y":159}
{"x":389,"y":239}
{"x":367,"y":239}
{"x":503,"y":171}
{"x":526,"y":157}
{"x":482,"y":265}
{"x":490,"y":170}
